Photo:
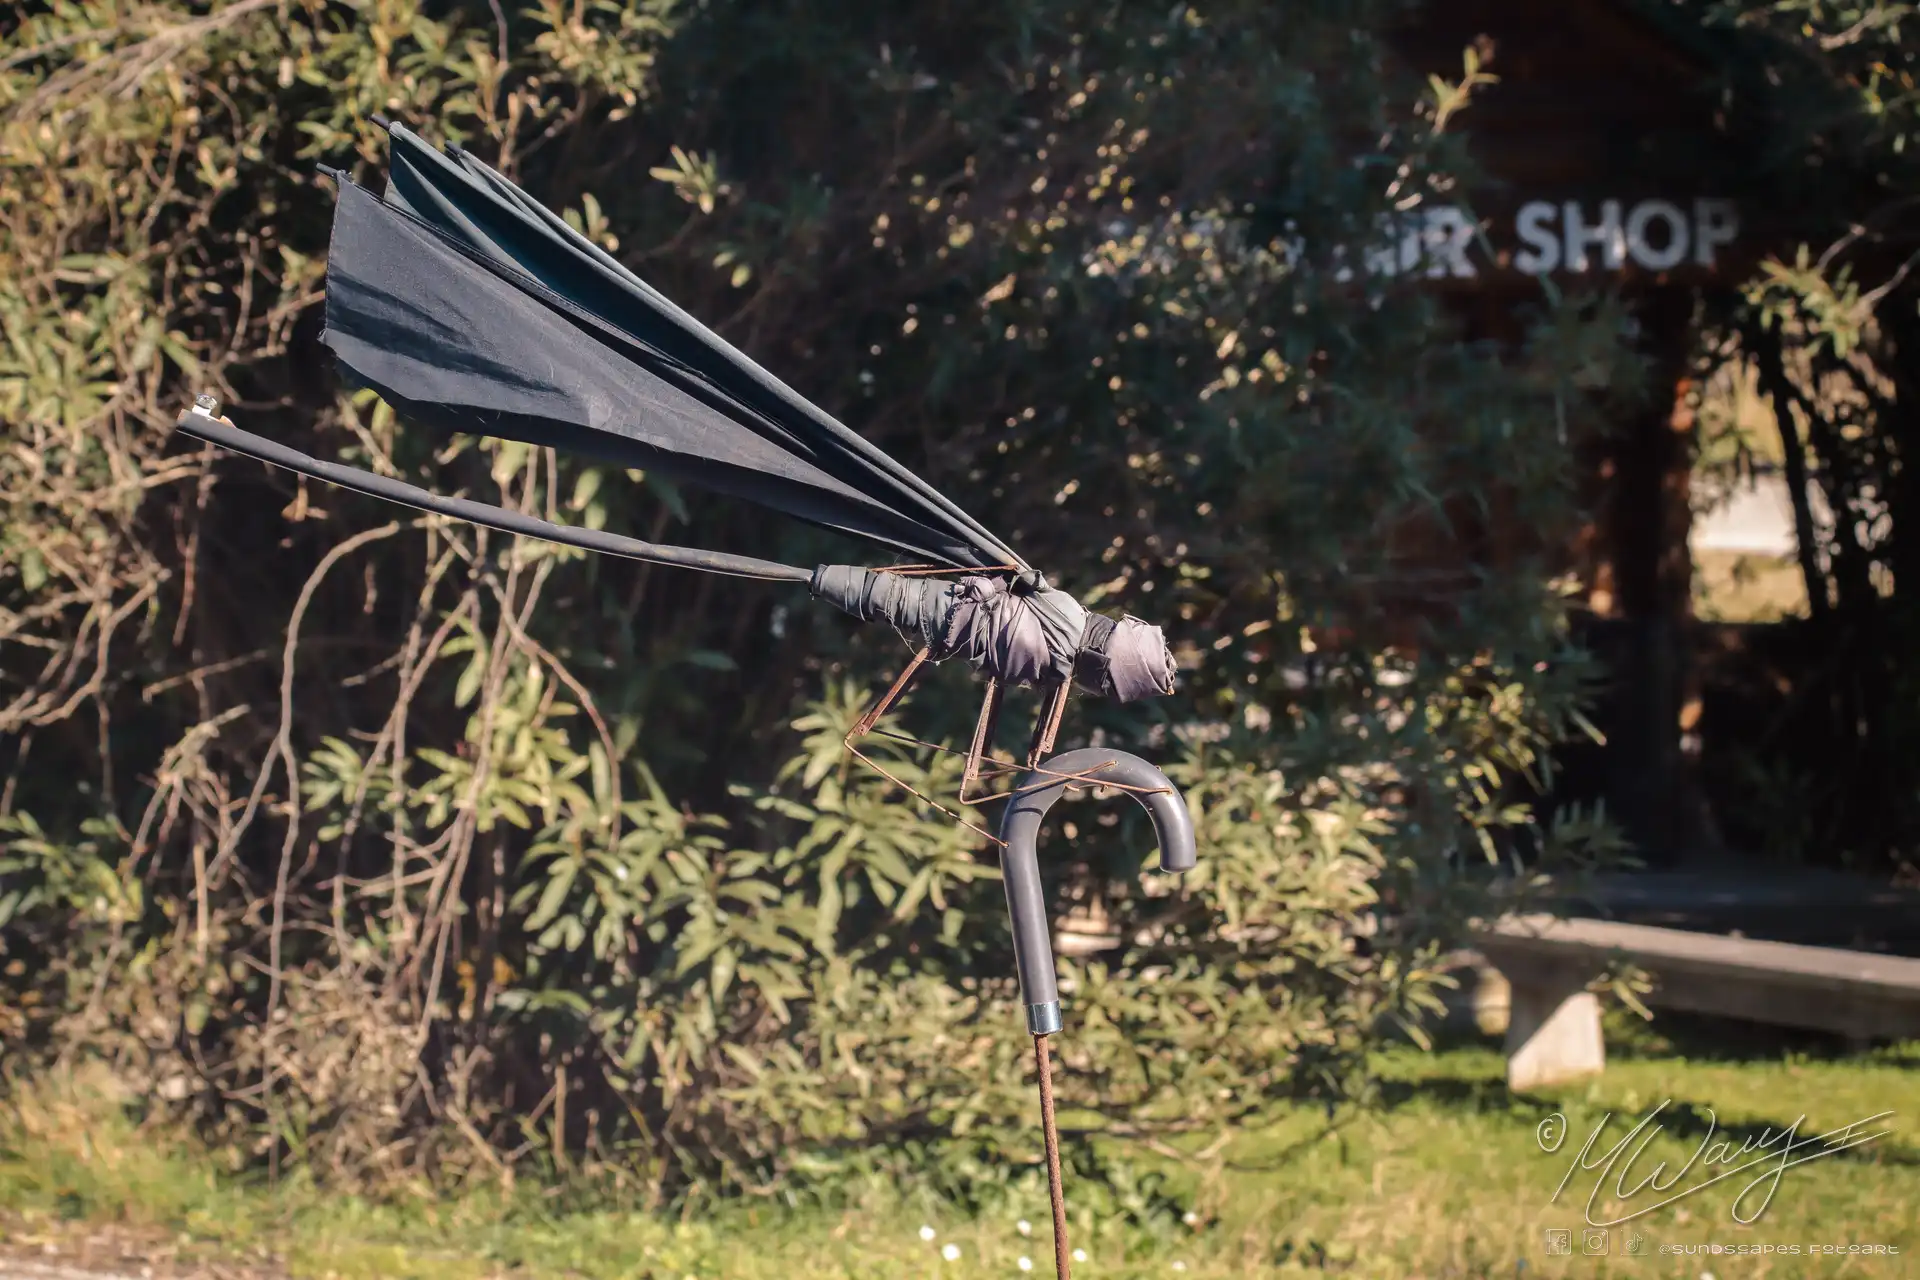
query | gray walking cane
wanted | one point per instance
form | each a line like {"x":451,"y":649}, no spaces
{"x":1032,"y":947}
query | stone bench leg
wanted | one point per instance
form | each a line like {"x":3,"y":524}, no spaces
{"x":1553,"y":1029}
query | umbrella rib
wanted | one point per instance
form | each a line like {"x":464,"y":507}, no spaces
{"x":223,"y":433}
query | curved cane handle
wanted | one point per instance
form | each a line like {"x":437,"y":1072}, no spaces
{"x":1020,"y":862}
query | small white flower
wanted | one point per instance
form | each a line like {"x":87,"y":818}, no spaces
{"x":1025,"y":1264}
{"x":1024,"y":1227}
{"x":951,"y":1252}
{"x":1179,"y":1266}
{"x":1079,"y":1255}
{"x":1191,"y":1218}
{"x":926,"y":1233}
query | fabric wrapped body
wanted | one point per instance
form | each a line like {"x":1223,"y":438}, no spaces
{"x":1020,"y":631}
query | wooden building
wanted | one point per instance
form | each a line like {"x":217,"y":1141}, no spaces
{"x":1604,"y":163}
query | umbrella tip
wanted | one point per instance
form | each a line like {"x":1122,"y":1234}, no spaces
{"x":328,"y":171}
{"x":382,"y":121}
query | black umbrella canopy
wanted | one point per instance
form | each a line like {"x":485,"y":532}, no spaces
{"x":470,"y":307}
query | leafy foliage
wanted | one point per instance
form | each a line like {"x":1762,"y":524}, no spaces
{"x":413,"y":851}
{"x":1829,"y":131}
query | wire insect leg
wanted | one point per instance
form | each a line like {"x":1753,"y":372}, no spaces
{"x":865,"y":726}
{"x":919,"y":795}
{"x":1047,"y":727}
{"x":982,"y":739}
{"x":885,"y":701}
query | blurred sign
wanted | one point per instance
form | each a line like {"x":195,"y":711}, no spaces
{"x":1559,"y":237}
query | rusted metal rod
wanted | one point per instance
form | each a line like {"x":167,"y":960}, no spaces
{"x":1057,"y":1197}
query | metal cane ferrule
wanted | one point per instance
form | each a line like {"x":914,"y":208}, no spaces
{"x":1043,"y":1019}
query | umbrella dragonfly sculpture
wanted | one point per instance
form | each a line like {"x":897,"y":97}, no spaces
{"x":471,"y":308}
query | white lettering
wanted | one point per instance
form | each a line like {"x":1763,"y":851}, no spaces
{"x":1342,"y":271}
{"x":1608,"y":236}
{"x":1543,"y":247}
{"x":1640,"y":221}
{"x":1715,"y":222}
{"x":1655,"y":235}
{"x":1448,"y":233}
{"x":1387,"y":249}
{"x":1412,"y":232}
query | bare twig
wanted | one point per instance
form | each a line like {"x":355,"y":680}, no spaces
{"x":283,"y":743}
{"x":283,"y":735}
{"x":134,"y":61}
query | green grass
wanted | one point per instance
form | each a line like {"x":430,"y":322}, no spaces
{"x":1446,"y":1179}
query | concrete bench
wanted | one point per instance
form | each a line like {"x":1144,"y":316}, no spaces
{"x":1813,"y":908}
{"x":1553,"y":1021}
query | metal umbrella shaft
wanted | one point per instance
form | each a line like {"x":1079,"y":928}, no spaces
{"x":1026,"y":905}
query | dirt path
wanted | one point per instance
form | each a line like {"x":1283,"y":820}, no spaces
{"x":15,"y":1267}
{"x":72,"y":1251}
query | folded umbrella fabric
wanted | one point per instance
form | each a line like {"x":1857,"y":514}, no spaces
{"x":468,"y":305}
